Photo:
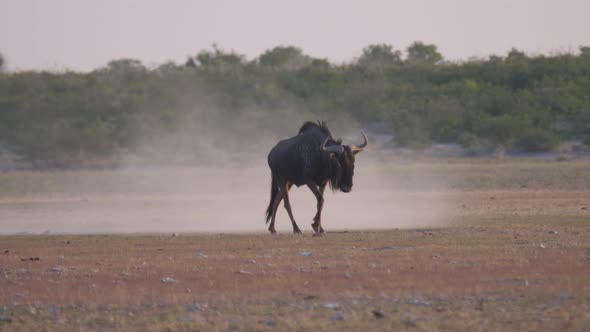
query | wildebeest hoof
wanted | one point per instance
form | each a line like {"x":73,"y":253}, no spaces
{"x":318,"y":234}
{"x":315,"y":227}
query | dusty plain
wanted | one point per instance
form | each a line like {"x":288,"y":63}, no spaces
{"x":423,"y":246}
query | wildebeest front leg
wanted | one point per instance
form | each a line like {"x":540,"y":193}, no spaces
{"x":319,"y":195}
{"x":296,"y":229}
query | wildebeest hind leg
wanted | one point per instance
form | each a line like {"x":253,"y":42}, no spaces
{"x":296,"y":229}
{"x":275,"y":206}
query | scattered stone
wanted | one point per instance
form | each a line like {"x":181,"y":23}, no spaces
{"x":270,"y":322}
{"x":385,"y":248}
{"x":5,"y":320}
{"x":244,"y":272}
{"x":479,"y":305}
{"x":200,"y":254}
{"x":347,"y":275}
{"x":584,"y":208}
{"x":542,"y":246}
{"x":6,"y":252}
{"x":305,"y":253}
{"x":20,"y":271}
{"x":32,"y":259}
{"x":169,"y":280}
{"x":186,"y":318}
{"x":175,"y":234}
{"x":56,"y":269}
{"x":419,"y":302}
{"x":311,"y":297}
{"x":337,"y":316}
{"x":378,"y":313}
{"x":552,"y":232}
{"x":196,"y":307}
{"x":333,"y":306}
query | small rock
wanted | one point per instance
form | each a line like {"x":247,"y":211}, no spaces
{"x":169,"y":280}
{"x":32,"y":259}
{"x":175,"y":234}
{"x":378,"y":313}
{"x":244,"y":272}
{"x":337,"y":316}
{"x":584,"y":208}
{"x":305,"y":253}
{"x":5,"y":319}
{"x":333,"y":306}
{"x":479,"y":306}
{"x":542,"y":246}
{"x":552,"y":232}
{"x":186,"y":318}
{"x":200,"y":254}
{"x":270,"y":322}
{"x":6,"y":252}
{"x":347,"y":275}
{"x":196,"y":307}
{"x":385,"y":248}
{"x":56,"y":269}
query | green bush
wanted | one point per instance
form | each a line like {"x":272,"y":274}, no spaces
{"x":535,"y":140}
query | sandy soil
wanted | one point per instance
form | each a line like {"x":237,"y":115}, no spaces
{"x":509,"y":253}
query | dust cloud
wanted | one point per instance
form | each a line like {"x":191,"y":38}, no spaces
{"x":210,"y":175}
{"x":219,"y":198}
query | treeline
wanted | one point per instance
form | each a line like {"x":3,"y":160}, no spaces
{"x":220,"y":101}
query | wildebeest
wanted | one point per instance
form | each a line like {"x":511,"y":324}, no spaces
{"x":311,"y":158}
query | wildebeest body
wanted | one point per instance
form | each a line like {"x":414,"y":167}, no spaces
{"x":299,"y":159}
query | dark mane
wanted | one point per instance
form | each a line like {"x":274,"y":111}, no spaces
{"x":320,"y":124}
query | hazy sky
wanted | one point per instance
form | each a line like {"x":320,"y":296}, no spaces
{"x":84,"y":34}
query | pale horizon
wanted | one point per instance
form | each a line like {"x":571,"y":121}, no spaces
{"x":84,"y":35}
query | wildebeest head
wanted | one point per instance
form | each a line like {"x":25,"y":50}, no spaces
{"x":342,"y":162}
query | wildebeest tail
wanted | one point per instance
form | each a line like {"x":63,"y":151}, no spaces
{"x":274,"y":189}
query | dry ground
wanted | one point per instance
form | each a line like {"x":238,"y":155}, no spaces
{"x":506,"y":251}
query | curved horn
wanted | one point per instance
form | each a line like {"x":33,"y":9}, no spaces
{"x":359,"y":148}
{"x":338,"y":149}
